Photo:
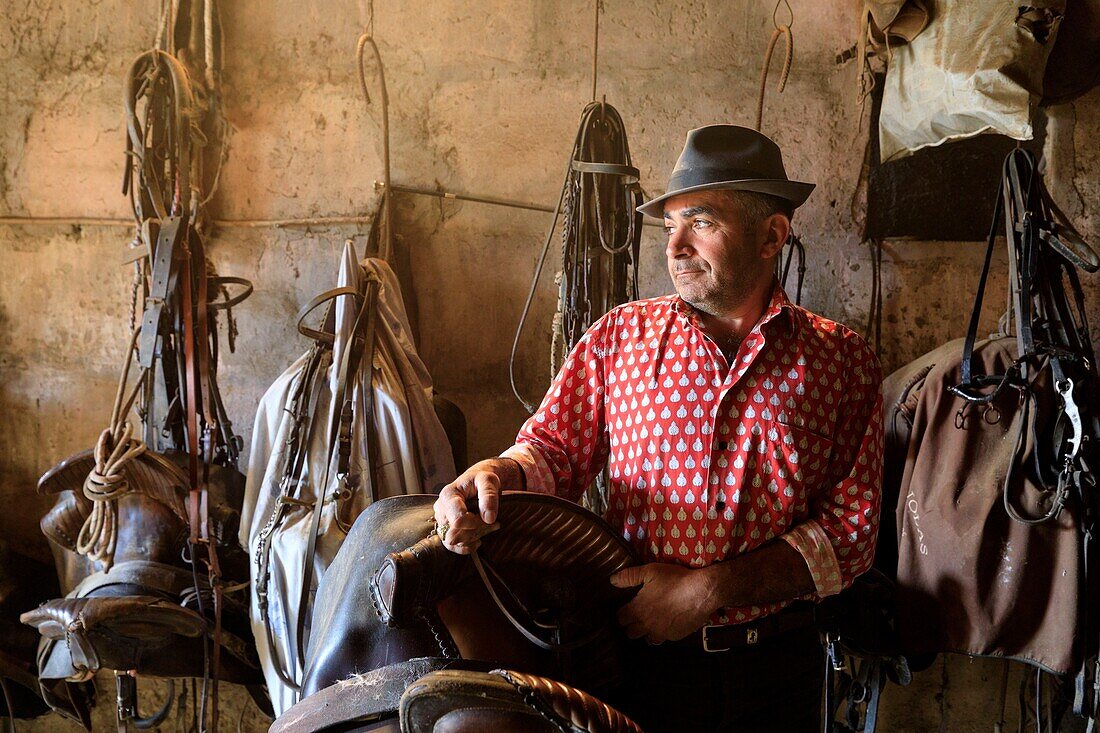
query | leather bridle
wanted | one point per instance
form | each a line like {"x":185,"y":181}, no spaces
{"x":165,"y":107}
{"x":600,"y":235}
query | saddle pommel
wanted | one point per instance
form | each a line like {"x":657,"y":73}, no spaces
{"x":414,"y":579}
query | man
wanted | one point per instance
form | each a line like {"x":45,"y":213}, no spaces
{"x":743,"y":441}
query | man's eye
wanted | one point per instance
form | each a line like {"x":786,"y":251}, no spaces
{"x":668,"y":231}
{"x":701,"y":223}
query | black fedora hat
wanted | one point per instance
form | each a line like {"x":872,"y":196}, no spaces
{"x":731,"y":157}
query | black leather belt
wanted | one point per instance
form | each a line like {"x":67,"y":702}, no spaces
{"x":747,"y":635}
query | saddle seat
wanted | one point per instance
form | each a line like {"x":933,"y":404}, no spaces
{"x":545,"y":602}
{"x":24,"y":582}
{"x":140,"y":613}
{"x":127,"y":632}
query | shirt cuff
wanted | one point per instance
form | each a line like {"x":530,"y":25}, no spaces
{"x":536,"y":472}
{"x":813,"y":544}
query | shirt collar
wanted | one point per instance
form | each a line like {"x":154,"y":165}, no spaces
{"x":780,"y":305}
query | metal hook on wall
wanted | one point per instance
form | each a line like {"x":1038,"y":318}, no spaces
{"x":783,"y":31}
{"x":598,"y":7}
{"x":367,"y":39}
{"x":775,"y":13}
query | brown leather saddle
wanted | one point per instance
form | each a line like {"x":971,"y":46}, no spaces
{"x":143,"y":612}
{"x":396,"y":607}
{"x":25,"y":581}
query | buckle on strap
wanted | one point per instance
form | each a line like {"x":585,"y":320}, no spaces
{"x":752,"y":636}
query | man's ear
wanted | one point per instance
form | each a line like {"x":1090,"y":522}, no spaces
{"x":776,"y":228}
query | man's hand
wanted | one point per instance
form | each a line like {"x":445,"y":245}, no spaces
{"x":484,"y":480}
{"x":673,"y":602}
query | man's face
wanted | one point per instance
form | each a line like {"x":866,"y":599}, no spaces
{"x":715,"y":257}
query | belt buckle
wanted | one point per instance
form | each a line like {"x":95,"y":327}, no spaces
{"x":752,"y":636}
{"x":706,"y":640}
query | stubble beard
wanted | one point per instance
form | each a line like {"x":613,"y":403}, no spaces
{"x":705,"y":293}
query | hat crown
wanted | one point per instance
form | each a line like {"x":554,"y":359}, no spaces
{"x":728,"y":152}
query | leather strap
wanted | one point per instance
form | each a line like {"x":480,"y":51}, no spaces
{"x":525,"y":626}
{"x":325,"y":335}
{"x":219,"y":282}
{"x":746,"y":635}
{"x":369,"y":342}
{"x":303,"y":407}
{"x":976,"y":312}
{"x":210,"y":431}
{"x":346,"y":369}
{"x":629,"y":172}
{"x":1064,"y":238}
{"x":164,"y":267}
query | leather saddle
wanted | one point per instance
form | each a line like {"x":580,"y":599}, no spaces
{"x":396,"y":607}
{"x":141,"y":613}
{"x":25,"y":581}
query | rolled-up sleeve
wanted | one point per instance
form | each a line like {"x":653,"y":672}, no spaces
{"x":838,"y":538}
{"x":564,"y":444}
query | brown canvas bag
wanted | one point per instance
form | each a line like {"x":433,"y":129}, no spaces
{"x":970,"y":578}
{"x":997,"y":502}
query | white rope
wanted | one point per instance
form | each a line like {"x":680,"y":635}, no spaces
{"x":99,"y":534}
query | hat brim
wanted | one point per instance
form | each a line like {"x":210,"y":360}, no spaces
{"x":796,"y":192}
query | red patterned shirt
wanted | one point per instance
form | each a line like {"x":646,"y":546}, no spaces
{"x":709,"y":459}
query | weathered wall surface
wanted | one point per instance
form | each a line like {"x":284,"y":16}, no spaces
{"x":485,"y":99}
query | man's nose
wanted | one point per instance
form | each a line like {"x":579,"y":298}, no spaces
{"x":679,"y":244}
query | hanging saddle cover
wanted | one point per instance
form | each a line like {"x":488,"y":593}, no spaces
{"x":971,"y":578}
{"x":395,"y":445}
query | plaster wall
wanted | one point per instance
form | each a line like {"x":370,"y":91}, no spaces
{"x":485,"y":97}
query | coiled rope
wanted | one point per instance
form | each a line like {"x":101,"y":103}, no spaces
{"x":114,"y":450}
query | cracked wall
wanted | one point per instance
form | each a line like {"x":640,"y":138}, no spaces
{"x":485,"y":99}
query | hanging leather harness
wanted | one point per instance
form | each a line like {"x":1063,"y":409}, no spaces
{"x":178,"y":342}
{"x":601,"y":234}
{"x":1044,"y":253}
{"x":601,"y":231}
{"x":304,"y":404}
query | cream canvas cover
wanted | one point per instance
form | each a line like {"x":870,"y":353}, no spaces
{"x":413,"y":456}
{"x":977,"y":67}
